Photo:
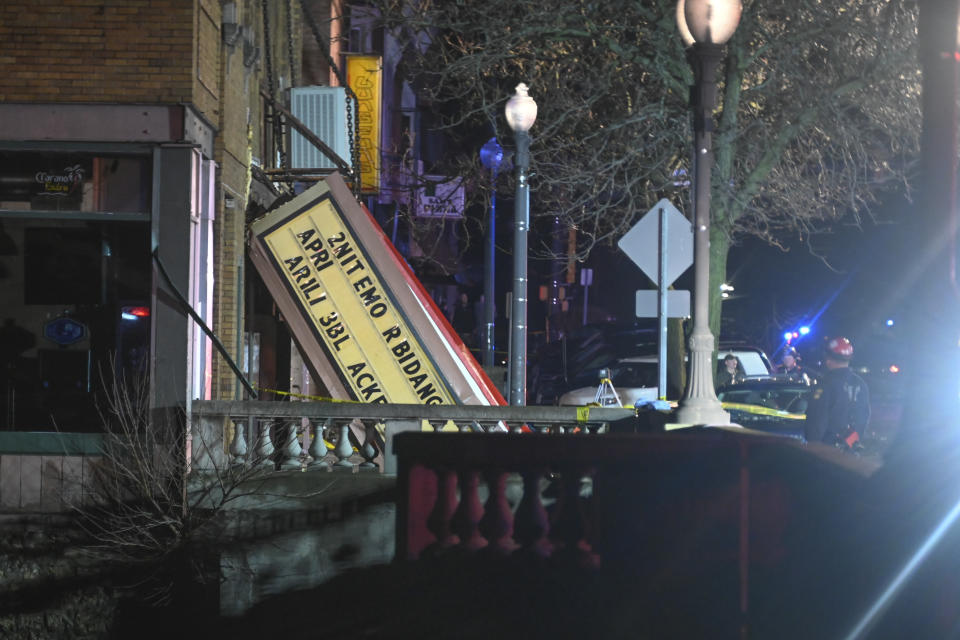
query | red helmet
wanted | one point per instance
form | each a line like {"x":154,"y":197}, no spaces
{"x":839,"y":348}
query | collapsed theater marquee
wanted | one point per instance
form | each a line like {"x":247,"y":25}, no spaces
{"x":363,"y":322}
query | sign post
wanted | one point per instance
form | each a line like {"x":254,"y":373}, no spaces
{"x":662,"y":308}
{"x":661,"y":244}
{"x":586,"y":279}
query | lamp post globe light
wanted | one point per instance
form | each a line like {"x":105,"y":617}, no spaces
{"x":705,"y":25}
{"x":491,"y":156}
{"x":521,"y":112}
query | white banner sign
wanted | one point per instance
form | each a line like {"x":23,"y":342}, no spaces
{"x":440,"y":197}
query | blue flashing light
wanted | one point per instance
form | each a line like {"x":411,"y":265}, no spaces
{"x":491,"y":155}
{"x":788,"y":336}
{"x":804,"y":330}
{"x":889,"y":322}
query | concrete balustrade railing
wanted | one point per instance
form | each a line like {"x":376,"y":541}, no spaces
{"x":625,"y":496}
{"x":714,"y":518}
{"x":293,"y":435}
{"x":46,"y":471}
{"x":455,"y":494}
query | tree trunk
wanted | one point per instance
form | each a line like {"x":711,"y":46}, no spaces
{"x":719,"y":248}
{"x":676,"y":357}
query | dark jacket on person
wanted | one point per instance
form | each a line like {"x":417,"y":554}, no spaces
{"x":464,"y":321}
{"x":797,"y":374}
{"x":725,"y":378}
{"x":839,"y":403}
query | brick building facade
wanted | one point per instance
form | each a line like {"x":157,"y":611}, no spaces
{"x":155,"y":107}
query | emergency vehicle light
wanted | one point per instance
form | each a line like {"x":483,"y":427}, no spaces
{"x":132,"y":313}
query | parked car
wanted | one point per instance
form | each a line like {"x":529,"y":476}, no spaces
{"x":635,"y":379}
{"x":755,"y":362}
{"x":555,"y":367}
{"x":775,"y":406}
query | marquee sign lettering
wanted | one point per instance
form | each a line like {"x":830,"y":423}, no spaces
{"x":360,"y":317}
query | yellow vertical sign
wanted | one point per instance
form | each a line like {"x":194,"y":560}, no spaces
{"x":363,"y":77}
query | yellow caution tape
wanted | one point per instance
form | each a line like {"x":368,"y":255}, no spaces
{"x":449,"y":425}
{"x":762,"y":411}
{"x":303,"y":396}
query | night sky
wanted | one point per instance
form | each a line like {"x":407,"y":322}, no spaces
{"x":851,"y":290}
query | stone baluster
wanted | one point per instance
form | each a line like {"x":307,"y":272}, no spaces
{"x":439,"y":520}
{"x":471,"y":426}
{"x":318,"y":448}
{"x":369,"y":448}
{"x":493,"y":427}
{"x":238,"y":445}
{"x":263,"y":452}
{"x":571,"y":527}
{"x":497,"y":522}
{"x":344,"y":449}
{"x":466,"y":519}
{"x":289,"y":455}
{"x":531,"y":525}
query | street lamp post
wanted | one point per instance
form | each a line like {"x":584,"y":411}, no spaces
{"x":521,"y":112}
{"x":705,"y":25}
{"x":491,"y":155}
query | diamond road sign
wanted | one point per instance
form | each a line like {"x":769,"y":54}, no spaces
{"x":642,"y":243}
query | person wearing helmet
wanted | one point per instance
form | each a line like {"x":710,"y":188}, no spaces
{"x":790,"y":368}
{"x":839,"y":408}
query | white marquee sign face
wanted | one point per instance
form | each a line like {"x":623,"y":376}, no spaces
{"x":440,"y":197}
{"x":363,"y":322}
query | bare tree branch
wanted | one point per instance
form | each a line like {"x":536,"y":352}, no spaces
{"x":141,"y":511}
{"x":819,"y":115}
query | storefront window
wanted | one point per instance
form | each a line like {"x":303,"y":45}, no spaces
{"x":75,"y":300}
{"x":82,"y":182}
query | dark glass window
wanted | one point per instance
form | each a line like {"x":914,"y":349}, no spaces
{"x":75,"y":300}
{"x":57,"y":181}
{"x":62,"y":265}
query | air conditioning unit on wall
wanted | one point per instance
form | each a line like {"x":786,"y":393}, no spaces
{"x":324,"y":111}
